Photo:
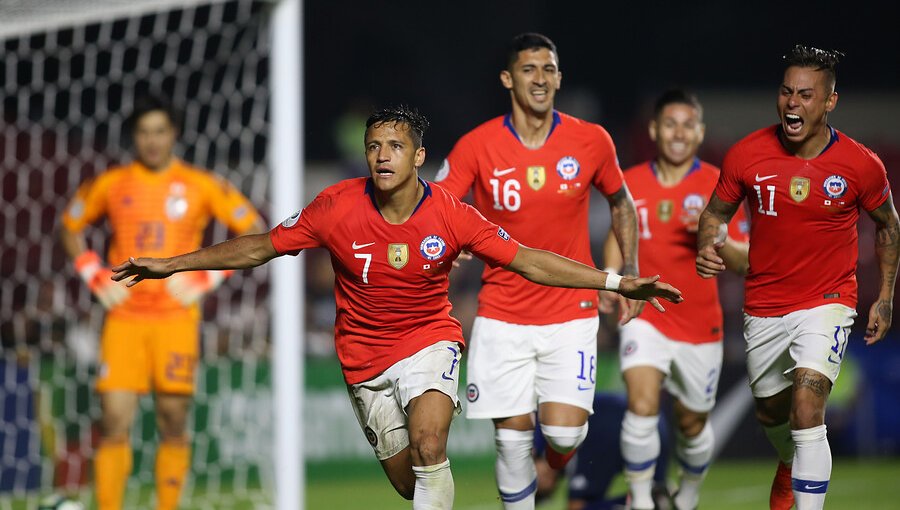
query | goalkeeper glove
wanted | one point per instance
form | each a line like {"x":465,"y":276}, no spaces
{"x":188,"y":287}
{"x":97,"y":277}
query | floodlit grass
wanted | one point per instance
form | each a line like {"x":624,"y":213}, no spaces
{"x":870,"y":484}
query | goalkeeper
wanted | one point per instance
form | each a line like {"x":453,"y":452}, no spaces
{"x":155,"y":206}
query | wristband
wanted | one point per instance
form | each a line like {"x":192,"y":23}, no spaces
{"x":612,"y":281}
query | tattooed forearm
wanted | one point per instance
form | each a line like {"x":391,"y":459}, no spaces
{"x":624,"y":225}
{"x":887,"y":244}
{"x":817,"y":383}
{"x":717,"y":212}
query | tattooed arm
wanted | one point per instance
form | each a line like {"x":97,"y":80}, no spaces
{"x":624,"y":226}
{"x":711,"y":236}
{"x":887,"y":249}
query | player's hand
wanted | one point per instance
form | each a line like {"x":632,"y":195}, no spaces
{"x":648,"y":289}
{"x":97,"y":277}
{"x":463,"y":255}
{"x":879,"y":321}
{"x":144,"y":268}
{"x":708,"y":262}
{"x":631,"y":308}
{"x":190,"y":286}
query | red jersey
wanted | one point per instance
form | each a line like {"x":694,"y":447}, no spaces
{"x":667,"y":233}
{"x":803,"y":251}
{"x":541,"y":197}
{"x":391,"y":281}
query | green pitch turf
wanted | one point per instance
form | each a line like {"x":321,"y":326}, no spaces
{"x":871,"y":484}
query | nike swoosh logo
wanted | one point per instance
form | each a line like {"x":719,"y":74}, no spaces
{"x":360,"y":246}
{"x":640,"y":201}
{"x":584,"y":389}
{"x":764,"y":178}
{"x":833,"y":361}
{"x":813,"y":487}
{"x":444,"y":376}
{"x":501,"y":173}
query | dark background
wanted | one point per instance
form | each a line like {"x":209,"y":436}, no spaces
{"x":444,"y":57}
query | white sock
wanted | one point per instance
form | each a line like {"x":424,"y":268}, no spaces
{"x":812,"y":467}
{"x":694,"y":454}
{"x":780,"y":437}
{"x":516,"y":476}
{"x":434,"y":487}
{"x":640,"y":448}
{"x":564,"y":439}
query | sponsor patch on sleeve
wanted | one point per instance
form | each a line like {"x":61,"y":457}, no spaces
{"x":502,"y":233}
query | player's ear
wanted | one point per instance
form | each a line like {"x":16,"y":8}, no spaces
{"x":651,"y":130}
{"x":831,"y":102}
{"x":420,"y":156}
{"x":701,"y":128}
{"x":506,"y":79}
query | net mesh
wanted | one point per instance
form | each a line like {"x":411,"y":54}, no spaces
{"x":68,"y":78}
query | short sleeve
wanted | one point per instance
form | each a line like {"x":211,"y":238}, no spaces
{"x":87,"y":205}
{"x":874,"y":185}
{"x":608,"y":178}
{"x":730,"y":188}
{"x":486,"y":240}
{"x":230,"y":206}
{"x":304,"y":229}
{"x":457,"y":172}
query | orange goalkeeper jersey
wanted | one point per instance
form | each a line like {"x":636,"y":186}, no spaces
{"x":157,"y":214}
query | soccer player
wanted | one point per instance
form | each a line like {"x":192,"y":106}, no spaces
{"x":156,"y":205}
{"x":393,"y":238}
{"x":805,"y":182}
{"x":680,"y":351}
{"x":534,"y":347}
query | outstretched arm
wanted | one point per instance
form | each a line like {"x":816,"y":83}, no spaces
{"x":711,"y":236}
{"x":241,"y":252}
{"x":548,"y":268}
{"x":887,"y":249}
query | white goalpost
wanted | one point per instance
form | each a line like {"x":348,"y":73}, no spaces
{"x":70,"y":72}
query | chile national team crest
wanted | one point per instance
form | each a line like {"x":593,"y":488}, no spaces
{"x":568,"y":168}
{"x":835,"y":186}
{"x":433,"y":247}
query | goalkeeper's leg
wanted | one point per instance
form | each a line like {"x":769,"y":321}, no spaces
{"x":112,"y":462}
{"x":173,"y":458}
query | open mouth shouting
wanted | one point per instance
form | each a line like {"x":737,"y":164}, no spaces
{"x":792,"y":124}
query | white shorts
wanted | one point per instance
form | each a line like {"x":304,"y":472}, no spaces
{"x":513,"y":367}
{"x":815,"y":338}
{"x":692,"y":370}
{"x":380,"y":403}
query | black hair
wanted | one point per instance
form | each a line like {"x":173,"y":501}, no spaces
{"x":146,"y":104}
{"x":820,"y":60}
{"x":528,"y":41}
{"x":677,"y":96}
{"x":415,"y":121}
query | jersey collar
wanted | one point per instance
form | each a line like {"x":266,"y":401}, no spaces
{"x":694,"y":167}
{"x":831,"y":141}
{"x":370,"y":190}
{"x":507,"y":121}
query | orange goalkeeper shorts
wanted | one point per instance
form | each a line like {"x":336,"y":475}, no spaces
{"x":140,"y":354}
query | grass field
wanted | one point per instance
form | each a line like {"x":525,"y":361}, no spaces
{"x":864,"y":484}
{"x":732,"y":485}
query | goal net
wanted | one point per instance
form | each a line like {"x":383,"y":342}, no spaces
{"x":69,"y":74}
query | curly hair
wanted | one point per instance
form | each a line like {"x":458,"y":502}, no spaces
{"x":415,"y":121}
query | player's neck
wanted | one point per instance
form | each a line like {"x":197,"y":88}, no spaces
{"x":160,"y":167}
{"x":810,"y":147}
{"x":532,"y":127}
{"x":670,"y":174}
{"x":396,"y":206}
